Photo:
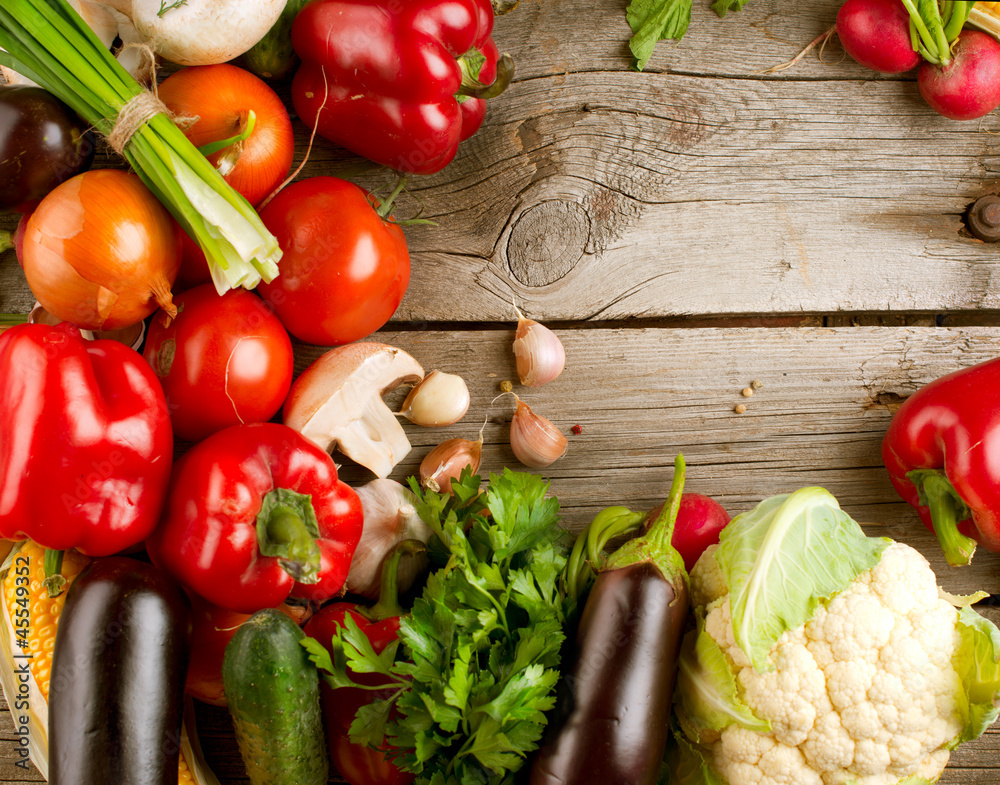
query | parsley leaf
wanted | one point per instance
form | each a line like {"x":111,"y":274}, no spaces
{"x":478,"y":655}
{"x":721,"y":7}
{"x":655,"y":20}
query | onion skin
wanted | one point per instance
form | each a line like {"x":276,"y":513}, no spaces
{"x":101,"y":252}
{"x":221,"y":97}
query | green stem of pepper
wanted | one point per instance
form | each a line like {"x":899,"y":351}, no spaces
{"x":301,"y":555}
{"x":585,"y":557}
{"x":6,"y":240}
{"x":388,"y":595}
{"x":947,"y":509}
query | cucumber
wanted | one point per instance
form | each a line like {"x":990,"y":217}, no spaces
{"x":273,"y":57}
{"x":273,"y":693}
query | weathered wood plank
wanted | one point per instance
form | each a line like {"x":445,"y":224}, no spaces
{"x":597,"y":193}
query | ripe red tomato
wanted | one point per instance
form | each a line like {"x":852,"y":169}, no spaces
{"x":222,"y":361}
{"x":345,"y":268}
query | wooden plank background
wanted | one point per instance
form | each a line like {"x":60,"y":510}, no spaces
{"x":689,"y":230}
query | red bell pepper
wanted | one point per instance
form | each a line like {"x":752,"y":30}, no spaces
{"x":398,"y":83}
{"x":358,"y":764}
{"x":255,"y":514}
{"x":85,"y":441}
{"x":942,"y":451}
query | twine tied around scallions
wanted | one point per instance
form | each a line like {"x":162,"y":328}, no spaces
{"x":48,"y":42}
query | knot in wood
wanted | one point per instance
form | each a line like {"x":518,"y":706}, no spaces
{"x":547,"y":241}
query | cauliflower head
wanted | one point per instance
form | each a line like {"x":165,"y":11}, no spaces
{"x":866,"y":684}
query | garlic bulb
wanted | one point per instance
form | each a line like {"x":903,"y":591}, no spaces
{"x":390,"y":518}
{"x":536,"y":442}
{"x":445,"y":463}
{"x":538,"y":351}
{"x":440,"y":399}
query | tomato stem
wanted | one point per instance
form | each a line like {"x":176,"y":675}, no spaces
{"x":385,"y":207}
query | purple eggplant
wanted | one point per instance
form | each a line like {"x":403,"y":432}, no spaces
{"x":42,"y":143}
{"x":612,"y":716}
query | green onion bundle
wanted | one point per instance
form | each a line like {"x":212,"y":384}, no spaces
{"x":48,"y":42}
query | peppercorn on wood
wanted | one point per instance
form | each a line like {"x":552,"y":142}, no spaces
{"x":30,"y":620}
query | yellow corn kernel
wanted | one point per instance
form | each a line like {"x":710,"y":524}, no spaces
{"x":43,"y":610}
{"x":986,"y":16}
{"x":184,"y":772}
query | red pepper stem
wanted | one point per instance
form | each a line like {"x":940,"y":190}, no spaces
{"x":473,"y":88}
{"x":301,"y":555}
{"x":6,"y":240}
{"x":940,"y":497}
{"x":388,"y":605}
{"x":12,"y":319}
{"x":54,"y":581}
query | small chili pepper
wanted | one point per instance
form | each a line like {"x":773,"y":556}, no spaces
{"x":612,"y":715}
{"x":398,"y":83}
{"x":942,"y":451}
{"x":358,"y":764}
{"x":256,"y":514}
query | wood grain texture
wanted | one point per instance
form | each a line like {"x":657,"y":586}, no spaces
{"x":698,"y":187}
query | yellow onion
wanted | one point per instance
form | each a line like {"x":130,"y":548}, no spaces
{"x":101,"y":252}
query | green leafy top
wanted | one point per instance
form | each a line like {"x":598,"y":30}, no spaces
{"x":478,"y":656}
{"x":658,"y":20}
{"x":785,"y":556}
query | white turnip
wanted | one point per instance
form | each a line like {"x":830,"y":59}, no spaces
{"x":968,"y":86}
{"x":876,"y":33}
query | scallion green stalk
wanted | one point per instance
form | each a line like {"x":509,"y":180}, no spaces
{"x":48,"y":42}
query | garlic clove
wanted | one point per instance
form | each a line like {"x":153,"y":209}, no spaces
{"x":446,"y":461}
{"x":439,"y":399}
{"x":536,"y":442}
{"x":539,"y":353}
{"x":390,"y":518}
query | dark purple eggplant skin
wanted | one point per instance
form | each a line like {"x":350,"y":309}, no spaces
{"x":612,"y":716}
{"x":42,"y":144}
{"x":117,"y":687}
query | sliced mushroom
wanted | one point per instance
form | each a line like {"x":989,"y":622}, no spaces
{"x":337,"y":403}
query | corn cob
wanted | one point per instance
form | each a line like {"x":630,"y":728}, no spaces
{"x":43,"y":610}
{"x":38,"y":640}
{"x":986,"y":16}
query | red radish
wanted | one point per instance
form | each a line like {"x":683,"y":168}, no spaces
{"x":968,"y":86}
{"x":876,"y":33}
{"x":700,"y":520}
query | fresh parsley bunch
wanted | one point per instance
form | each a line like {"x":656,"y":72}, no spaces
{"x":477,"y":660}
